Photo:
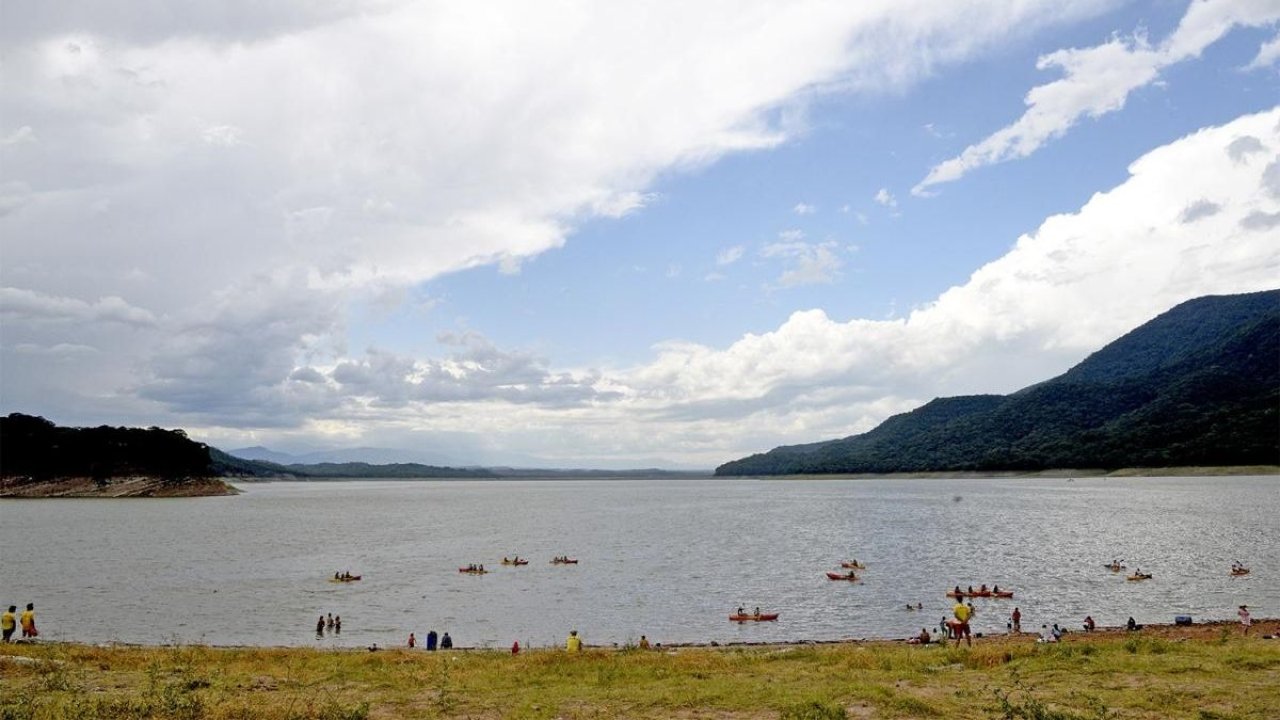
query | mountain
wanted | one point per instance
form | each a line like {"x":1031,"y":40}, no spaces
{"x":373,"y":455}
{"x":1197,"y":386}
{"x":41,"y":459}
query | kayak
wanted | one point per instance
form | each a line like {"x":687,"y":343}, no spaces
{"x":976,"y":593}
{"x":515,"y":562}
{"x":569,"y":561}
{"x":1143,"y":576}
{"x":853,"y":566}
{"x":1002,"y":593}
{"x":838,"y":576}
{"x":1113,"y":568}
{"x":1239,"y":571}
{"x":472,"y":571}
{"x":762,"y":617}
{"x":353,"y":578}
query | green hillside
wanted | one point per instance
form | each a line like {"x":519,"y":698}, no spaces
{"x":1198,"y":385}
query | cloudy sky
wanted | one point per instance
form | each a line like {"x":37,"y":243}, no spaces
{"x":609,"y":235}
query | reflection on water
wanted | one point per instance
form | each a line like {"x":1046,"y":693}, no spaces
{"x":664,"y":558}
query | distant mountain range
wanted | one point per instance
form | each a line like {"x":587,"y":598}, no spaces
{"x":1197,"y":386}
{"x":372,"y":455}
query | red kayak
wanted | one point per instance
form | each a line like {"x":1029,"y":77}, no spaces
{"x":838,"y":576}
{"x":753,"y":618}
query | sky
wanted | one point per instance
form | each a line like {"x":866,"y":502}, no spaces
{"x":574,"y":234}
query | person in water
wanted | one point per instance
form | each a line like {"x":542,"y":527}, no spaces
{"x":328,"y":622}
{"x":573,"y":643}
{"x":337,"y":624}
{"x":9,"y":623}
{"x":446,"y":642}
{"x":320,"y":627}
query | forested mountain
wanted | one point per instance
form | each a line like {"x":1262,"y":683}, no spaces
{"x":35,"y":448}
{"x":1197,"y":386}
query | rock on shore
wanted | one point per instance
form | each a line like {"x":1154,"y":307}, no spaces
{"x":122,"y":487}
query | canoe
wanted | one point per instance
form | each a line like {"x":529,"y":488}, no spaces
{"x":1002,"y":593}
{"x":570,"y":561}
{"x":1113,"y":568}
{"x":1239,"y":571}
{"x":839,"y":576}
{"x":515,"y":562}
{"x":1143,"y":576}
{"x":762,"y":617}
{"x":975,"y":593}
{"x":853,"y":566}
{"x":353,"y":578}
{"x":472,"y":571}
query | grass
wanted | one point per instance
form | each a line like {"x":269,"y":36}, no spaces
{"x":1156,"y":674}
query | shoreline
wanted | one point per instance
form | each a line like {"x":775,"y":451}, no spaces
{"x":136,"y":486}
{"x":1197,"y":630}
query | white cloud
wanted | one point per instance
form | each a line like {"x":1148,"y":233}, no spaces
{"x":886,"y":198}
{"x":1098,"y":80}
{"x":1079,"y":281}
{"x":730,"y":255}
{"x":1267,"y":55}
{"x":804,"y":209}
{"x":805,"y":263}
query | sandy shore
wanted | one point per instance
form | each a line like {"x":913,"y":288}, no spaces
{"x":124,"y":487}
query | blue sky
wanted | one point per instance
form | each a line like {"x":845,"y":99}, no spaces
{"x":606,"y":237}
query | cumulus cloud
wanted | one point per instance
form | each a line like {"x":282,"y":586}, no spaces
{"x":19,"y":305}
{"x":1199,"y":209}
{"x":1079,"y":281}
{"x":1098,"y":80}
{"x":885,"y":198}
{"x":804,"y":209}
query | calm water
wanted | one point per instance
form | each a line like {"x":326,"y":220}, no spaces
{"x":665,"y":558}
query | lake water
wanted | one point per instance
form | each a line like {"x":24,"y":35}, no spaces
{"x":670,"y":559}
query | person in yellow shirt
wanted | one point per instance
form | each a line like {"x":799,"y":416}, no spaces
{"x":644,"y":643}
{"x":962,"y":613}
{"x":28,"y":621}
{"x":8,"y":622}
{"x":574,"y":643}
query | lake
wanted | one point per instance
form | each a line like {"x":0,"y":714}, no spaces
{"x":669,"y":559}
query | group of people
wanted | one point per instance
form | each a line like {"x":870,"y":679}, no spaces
{"x":332,"y":623}
{"x":434,"y":641}
{"x":474,"y":567}
{"x":9,"y":622}
{"x":345,"y":575}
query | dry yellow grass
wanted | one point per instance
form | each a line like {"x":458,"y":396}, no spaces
{"x":1202,"y":672}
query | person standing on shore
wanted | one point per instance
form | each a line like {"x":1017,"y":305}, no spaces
{"x":29,"y":621}
{"x":574,"y":643}
{"x":446,"y":642}
{"x":431,"y":640}
{"x":413,"y":642}
{"x":1246,"y":622}
{"x":1017,"y":620}
{"x":962,"y":613}
{"x":9,"y":622}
